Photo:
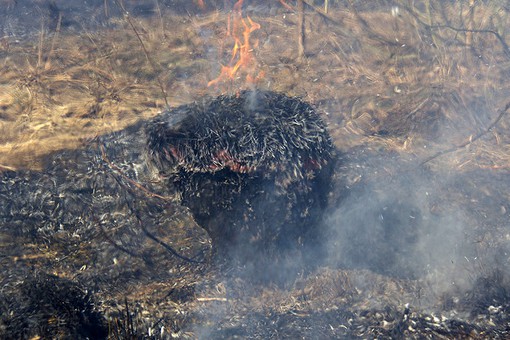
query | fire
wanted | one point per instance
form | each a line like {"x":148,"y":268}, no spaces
{"x":201,"y":4}
{"x":242,"y":58}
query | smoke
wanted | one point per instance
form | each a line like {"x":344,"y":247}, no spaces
{"x":399,"y":223}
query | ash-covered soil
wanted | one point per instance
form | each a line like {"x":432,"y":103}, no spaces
{"x":97,"y":243}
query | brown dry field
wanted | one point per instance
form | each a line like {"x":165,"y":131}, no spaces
{"x":383,"y":83}
{"x":394,"y":79}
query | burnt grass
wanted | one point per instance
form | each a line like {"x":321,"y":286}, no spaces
{"x":404,"y":236}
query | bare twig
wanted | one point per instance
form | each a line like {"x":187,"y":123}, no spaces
{"x":40,"y":47}
{"x":47,"y":65}
{"x":115,"y":244}
{"x":129,"y":320}
{"x":323,"y":13}
{"x":145,"y":51}
{"x":502,"y":41}
{"x":146,"y":191}
{"x":471,"y":140}
{"x":506,"y":49}
{"x":207,"y":299}
{"x":163,"y":244}
{"x":370,"y":32}
{"x":430,"y":19}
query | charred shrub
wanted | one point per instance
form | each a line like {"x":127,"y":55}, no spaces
{"x":46,"y":306}
{"x":254,"y":169}
{"x":489,"y":292}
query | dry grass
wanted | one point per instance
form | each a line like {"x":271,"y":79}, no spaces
{"x":411,"y":83}
{"x":68,"y":88}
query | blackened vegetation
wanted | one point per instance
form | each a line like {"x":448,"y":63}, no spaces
{"x":254,"y":169}
{"x":104,"y":191}
{"x":46,"y":306}
{"x":387,"y":323}
{"x":92,"y":212}
{"x":490,"y":294}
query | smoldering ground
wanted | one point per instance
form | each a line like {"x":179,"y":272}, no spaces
{"x":407,"y":255}
{"x":441,"y":227}
{"x":393,"y":224}
{"x":396,"y":234}
{"x":388,"y":221}
{"x":407,"y":240}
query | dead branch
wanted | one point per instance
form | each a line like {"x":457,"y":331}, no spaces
{"x":370,"y":32}
{"x":502,"y":41}
{"x":146,"y":191}
{"x":321,"y":12}
{"x":506,"y":49}
{"x":163,"y":244}
{"x":471,"y":140}
{"x":47,"y":66}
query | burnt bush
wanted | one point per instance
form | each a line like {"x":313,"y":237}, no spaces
{"x":47,"y":306}
{"x":254,"y":169}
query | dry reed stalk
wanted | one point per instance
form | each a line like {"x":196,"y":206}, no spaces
{"x":471,"y":23}
{"x":40,"y":46}
{"x":47,"y":65}
{"x":209,"y":299}
{"x":301,"y":29}
{"x":160,"y":17}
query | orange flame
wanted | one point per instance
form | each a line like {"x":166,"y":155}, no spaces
{"x":242,"y":52}
{"x":201,"y":4}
